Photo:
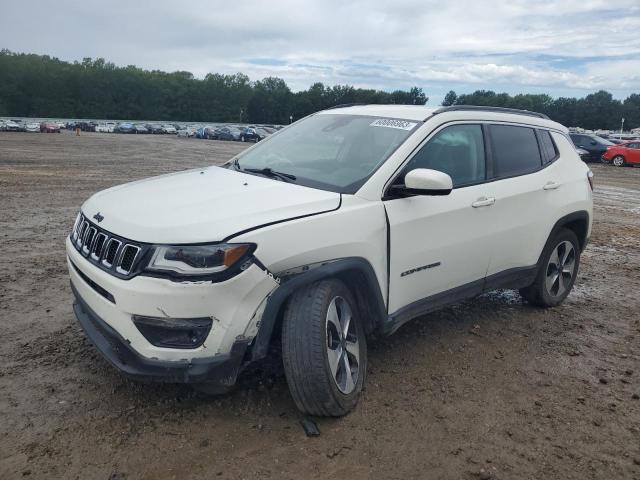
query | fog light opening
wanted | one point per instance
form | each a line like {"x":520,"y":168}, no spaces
{"x":173,"y":332}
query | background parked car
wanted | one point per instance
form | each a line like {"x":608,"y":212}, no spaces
{"x":226,"y":133}
{"x":108,"y":127}
{"x":154,"y":128}
{"x":205,"y":132}
{"x":125,"y":127}
{"x":625,"y":154}
{"x":169,"y":128}
{"x":11,"y":126}
{"x":268,"y":129}
{"x":250,"y":134}
{"x":265,"y":131}
{"x":49,"y":127}
{"x":32,"y":127}
{"x":140,"y":128}
{"x":585,"y":156}
{"x":186,"y":132}
{"x":84,"y":126}
{"x":596,"y":146}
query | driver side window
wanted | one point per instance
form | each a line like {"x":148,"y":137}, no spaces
{"x":458,"y":151}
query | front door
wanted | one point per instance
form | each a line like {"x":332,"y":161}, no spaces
{"x":442,"y":243}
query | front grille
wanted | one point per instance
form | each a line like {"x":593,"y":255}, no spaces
{"x":129,"y":253}
{"x":110,"y":252}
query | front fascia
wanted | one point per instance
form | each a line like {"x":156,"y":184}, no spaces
{"x":231,"y":305}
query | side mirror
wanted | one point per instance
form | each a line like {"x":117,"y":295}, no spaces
{"x":593,"y":142}
{"x":424,"y":181}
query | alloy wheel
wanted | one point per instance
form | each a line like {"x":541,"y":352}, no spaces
{"x":560,"y":269}
{"x":618,"y":161}
{"x":343,"y":347}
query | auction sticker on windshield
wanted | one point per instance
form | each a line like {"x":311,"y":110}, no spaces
{"x":391,"y":123}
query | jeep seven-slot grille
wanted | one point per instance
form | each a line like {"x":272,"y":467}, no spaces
{"x":114,"y":254}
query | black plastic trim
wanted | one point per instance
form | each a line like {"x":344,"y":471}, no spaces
{"x":581,"y":215}
{"x":480,"y":108}
{"x":221,"y":369}
{"x":101,"y":291}
{"x":512,"y":278}
{"x":332,"y":269}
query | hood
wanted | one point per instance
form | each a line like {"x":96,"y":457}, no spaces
{"x":204,"y":205}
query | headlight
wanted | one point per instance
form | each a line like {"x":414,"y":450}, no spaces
{"x":197,"y":260}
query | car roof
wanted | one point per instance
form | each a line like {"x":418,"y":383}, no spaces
{"x":405,"y":112}
{"x":459,"y":112}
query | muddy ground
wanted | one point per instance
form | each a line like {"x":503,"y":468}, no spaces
{"x":491,"y":388}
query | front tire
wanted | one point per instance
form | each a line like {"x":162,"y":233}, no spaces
{"x":618,"y":161}
{"x":557,"y":271}
{"x":324,"y":349}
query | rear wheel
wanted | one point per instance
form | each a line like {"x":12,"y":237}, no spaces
{"x":618,"y":161}
{"x":557,"y":272}
{"x":324,"y":349}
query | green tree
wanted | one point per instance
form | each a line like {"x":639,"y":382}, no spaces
{"x":450,"y":99}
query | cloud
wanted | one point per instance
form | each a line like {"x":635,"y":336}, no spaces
{"x":561,"y":46}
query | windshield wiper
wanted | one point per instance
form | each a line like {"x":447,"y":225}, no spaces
{"x":268,"y":172}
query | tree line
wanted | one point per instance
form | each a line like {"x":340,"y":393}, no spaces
{"x":598,"y":110}
{"x":43,"y":86}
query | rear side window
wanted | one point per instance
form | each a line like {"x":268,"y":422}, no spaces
{"x":547,"y":147}
{"x":515,"y":150}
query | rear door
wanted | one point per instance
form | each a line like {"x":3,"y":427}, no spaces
{"x":441,"y":243}
{"x":633,"y":156}
{"x":525,"y":182}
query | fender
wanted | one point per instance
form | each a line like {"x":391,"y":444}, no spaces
{"x":351,"y":269}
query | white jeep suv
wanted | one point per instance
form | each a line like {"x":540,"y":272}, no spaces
{"x":346,"y":224}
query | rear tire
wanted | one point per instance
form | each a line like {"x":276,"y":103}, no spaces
{"x":325,"y":368}
{"x":557,"y":271}
{"x":618,"y":161}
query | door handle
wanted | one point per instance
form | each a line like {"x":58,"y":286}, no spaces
{"x":483,"y":202}
{"x":551,"y":185}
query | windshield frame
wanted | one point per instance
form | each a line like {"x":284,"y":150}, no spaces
{"x":351,"y":188}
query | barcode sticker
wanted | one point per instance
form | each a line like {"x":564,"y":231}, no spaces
{"x":391,"y":123}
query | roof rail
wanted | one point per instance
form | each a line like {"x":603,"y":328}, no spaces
{"x":480,"y":108}
{"x":345,"y":105}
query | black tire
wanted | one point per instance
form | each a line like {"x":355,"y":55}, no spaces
{"x":305,"y":350}
{"x":618,"y":161}
{"x":538,"y":293}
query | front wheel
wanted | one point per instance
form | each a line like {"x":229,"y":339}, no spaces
{"x":557,"y":271}
{"x":324,"y":349}
{"x":618,"y":161}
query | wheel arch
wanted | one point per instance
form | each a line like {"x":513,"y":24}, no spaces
{"x":577,"y":222}
{"x":356,"y":273}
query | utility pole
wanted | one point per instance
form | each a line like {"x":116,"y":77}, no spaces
{"x":622,"y":126}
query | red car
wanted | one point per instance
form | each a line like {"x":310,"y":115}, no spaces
{"x":48,"y":127}
{"x":627,"y":153}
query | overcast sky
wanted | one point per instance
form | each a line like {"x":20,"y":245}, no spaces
{"x":561,"y":47}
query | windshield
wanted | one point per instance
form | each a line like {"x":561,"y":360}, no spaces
{"x":330,"y":151}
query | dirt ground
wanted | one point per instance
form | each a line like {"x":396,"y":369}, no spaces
{"x":491,"y":388}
